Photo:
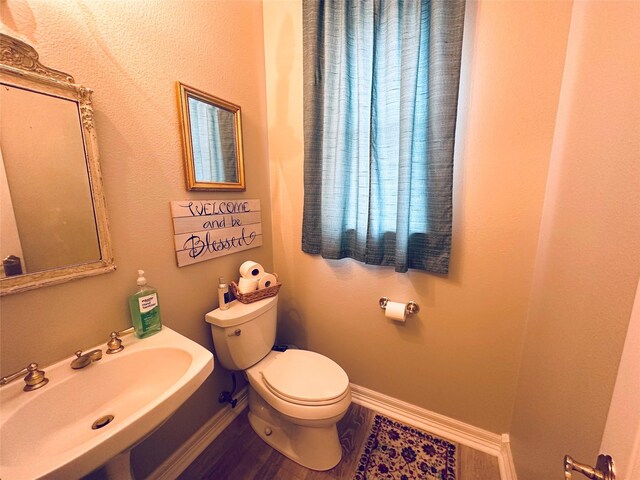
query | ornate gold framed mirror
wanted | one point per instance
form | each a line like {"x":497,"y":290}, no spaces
{"x":212,"y":141}
{"x":54,"y":219}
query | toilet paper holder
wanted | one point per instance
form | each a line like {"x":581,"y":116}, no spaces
{"x":411,"y":307}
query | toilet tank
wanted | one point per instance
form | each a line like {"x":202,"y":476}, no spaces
{"x":244,"y":333}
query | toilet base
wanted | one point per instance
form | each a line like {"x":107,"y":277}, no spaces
{"x":313,"y":447}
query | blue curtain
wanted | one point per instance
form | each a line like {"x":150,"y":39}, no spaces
{"x":380,"y":97}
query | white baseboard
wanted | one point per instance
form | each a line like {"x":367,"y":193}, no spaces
{"x":449,"y":428}
{"x":173,"y":466}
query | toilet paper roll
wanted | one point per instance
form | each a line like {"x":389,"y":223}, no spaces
{"x":251,"y":269}
{"x":247,"y":285}
{"x":396,"y":311}
{"x":267,"y":280}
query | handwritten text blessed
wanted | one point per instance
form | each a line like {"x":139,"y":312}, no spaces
{"x":206,"y":229}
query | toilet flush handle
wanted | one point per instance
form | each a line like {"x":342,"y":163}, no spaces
{"x":236,"y":333}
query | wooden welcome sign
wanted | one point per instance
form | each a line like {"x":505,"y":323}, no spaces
{"x":206,"y":229}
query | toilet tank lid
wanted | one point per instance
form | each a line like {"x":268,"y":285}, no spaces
{"x":239,"y":313}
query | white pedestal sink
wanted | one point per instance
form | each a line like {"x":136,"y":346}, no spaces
{"x":47,"y":433}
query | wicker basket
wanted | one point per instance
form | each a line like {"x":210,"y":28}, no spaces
{"x":256,"y":295}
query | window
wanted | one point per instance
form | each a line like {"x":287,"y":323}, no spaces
{"x":380,"y":91}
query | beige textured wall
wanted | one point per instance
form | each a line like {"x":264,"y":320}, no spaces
{"x":588,"y":258}
{"x":459,"y":356}
{"x":132,"y":53}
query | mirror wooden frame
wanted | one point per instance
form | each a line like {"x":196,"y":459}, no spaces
{"x":185,"y":91}
{"x":20,"y":67}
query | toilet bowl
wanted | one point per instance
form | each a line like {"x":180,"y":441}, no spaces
{"x":295,"y":414}
{"x":296,"y":397}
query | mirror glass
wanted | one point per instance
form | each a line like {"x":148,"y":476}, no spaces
{"x":53,"y":224}
{"x":212,"y":139}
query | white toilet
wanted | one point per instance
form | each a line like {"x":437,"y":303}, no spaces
{"x":296,"y":397}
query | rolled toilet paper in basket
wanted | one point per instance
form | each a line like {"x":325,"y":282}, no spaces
{"x":251,"y":269}
{"x":396,"y":311}
{"x":267,"y":280}
{"x":247,"y":285}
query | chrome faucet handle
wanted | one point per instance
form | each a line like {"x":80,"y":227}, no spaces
{"x":114,"y":345}
{"x":33,"y":380}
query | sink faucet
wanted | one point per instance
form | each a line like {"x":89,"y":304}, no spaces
{"x":84,"y":359}
{"x":114,"y":345}
{"x":33,"y":380}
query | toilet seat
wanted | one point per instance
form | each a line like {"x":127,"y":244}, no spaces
{"x":306,"y":378}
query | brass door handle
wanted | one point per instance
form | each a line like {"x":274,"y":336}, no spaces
{"x":604,"y":469}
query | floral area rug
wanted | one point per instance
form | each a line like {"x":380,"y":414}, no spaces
{"x":394,"y":451}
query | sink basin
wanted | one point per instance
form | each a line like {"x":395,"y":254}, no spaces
{"x":47,"y":433}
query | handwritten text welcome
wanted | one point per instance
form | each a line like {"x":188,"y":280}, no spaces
{"x":206,"y":229}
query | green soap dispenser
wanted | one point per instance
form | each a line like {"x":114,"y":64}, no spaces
{"x":145,"y":309}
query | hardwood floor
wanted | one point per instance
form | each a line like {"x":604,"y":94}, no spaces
{"x":239,"y":454}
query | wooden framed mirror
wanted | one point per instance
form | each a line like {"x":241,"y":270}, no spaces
{"x":54,"y":219}
{"x":212,"y":141}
